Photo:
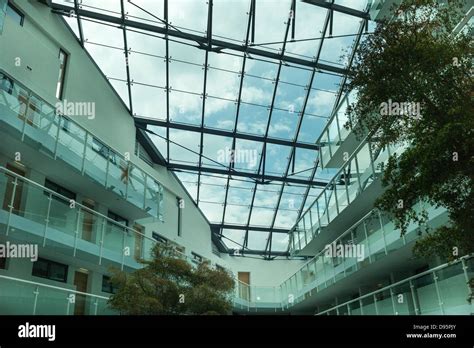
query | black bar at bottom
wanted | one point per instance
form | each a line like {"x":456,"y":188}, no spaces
{"x":382,"y":331}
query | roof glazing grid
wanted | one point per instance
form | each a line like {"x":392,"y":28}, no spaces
{"x":258,"y":79}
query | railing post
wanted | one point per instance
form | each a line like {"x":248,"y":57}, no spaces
{"x":15,"y":183}
{"x":438,"y":293}
{"x":48,"y":213}
{"x":76,"y":233}
{"x":413,"y":296}
{"x":96,"y":304}
{"x":101,"y":242}
{"x":36,"y":293}
{"x":57,"y":136}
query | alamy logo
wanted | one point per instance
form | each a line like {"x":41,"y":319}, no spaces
{"x":22,"y":251}
{"x":37,"y":331}
{"x":393,"y":108}
{"x":349,"y":250}
{"x":229,"y":155}
{"x":66,"y":108}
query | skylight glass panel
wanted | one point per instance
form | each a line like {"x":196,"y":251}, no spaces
{"x":277,"y":158}
{"x":184,"y":146}
{"x":239,"y":200}
{"x":247,"y":155}
{"x":216,"y":151}
{"x":149,"y":101}
{"x":304,"y":162}
{"x":257,"y":240}
{"x":188,"y":15}
{"x":234,"y":239}
{"x":271,"y":17}
{"x":279,"y":242}
{"x":230,"y":19}
{"x":145,"y":11}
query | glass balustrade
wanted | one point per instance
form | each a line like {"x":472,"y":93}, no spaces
{"x":23,"y":297}
{"x":441,"y":290}
{"x":36,"y":123}
{"x":33,"y":212}
{"x":371,"y":238}
{"x":361,"y":169}
{"x":335,"y":131}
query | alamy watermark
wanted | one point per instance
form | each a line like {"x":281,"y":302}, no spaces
{"x":68,"y":108}
{"x":349,"y":250}
{"x":229,"y":155}
{"x":394,"y":108}
{"x":23,"y":251}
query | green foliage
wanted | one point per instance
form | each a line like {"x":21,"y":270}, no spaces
{"x":168,"y":285}
{"x":416,"y":58}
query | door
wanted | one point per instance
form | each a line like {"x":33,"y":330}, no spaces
{"x":80,"y":281}
{"x":138,"y":241}
{"x":87,"y":221}
{"x":11,"y":187}
{"x":244,"y":285}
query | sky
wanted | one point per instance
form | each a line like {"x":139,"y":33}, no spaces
{"x":147,"y":63}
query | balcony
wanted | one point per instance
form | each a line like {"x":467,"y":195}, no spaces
{"x":23,"y":297}
{"x":443,"y":290}
{"x":377,"y":237}
{"x":353,"y":182}
{"x":336,"y":139}
{"x":28,"y":118}
{"x":31,"y":212}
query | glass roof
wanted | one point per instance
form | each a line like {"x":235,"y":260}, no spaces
{"x":233,"y":93}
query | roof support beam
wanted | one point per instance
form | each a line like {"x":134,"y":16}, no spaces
{"x":339,"y":8}
{"x":141,"y":122}
{"x":252,"y":228}
{"x":201,"y":40}
{"x":257,"y":176}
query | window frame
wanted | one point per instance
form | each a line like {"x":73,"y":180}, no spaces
{"x":62,"y":74}
{"x":50,"y":263}
{"x":15,"y":9}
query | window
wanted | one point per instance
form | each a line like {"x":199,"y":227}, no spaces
{"x":159,"y":238}
{"x":117,"y":218}
{"x":6,"y":84}
{"x":3,"y":263}
{"x":59,"y":189}
{"x":107,"y":285}
{"x":50,"y":270}
{"x":196,"y":257}
{"x":15,"y":14}
{"x":62,"y":74}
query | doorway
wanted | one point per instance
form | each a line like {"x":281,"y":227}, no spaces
{"x":88,"y":221}
{"x":244,"y":285}
{"x":81,"y":279}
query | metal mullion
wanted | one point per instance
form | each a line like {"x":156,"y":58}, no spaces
{"x":269,"y":240}
{"x":204,"y":93}
{"x":79,"y":24}
{"x":234,"y":140}
{"x":127,"y":65}
{"x":167,"y":81}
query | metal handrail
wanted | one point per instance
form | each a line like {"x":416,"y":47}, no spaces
{"x":416,"y":276}
{"x":53,"y":287}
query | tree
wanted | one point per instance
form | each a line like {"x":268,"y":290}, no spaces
{"x":168,"y":285}
{"x":415,"y":59}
